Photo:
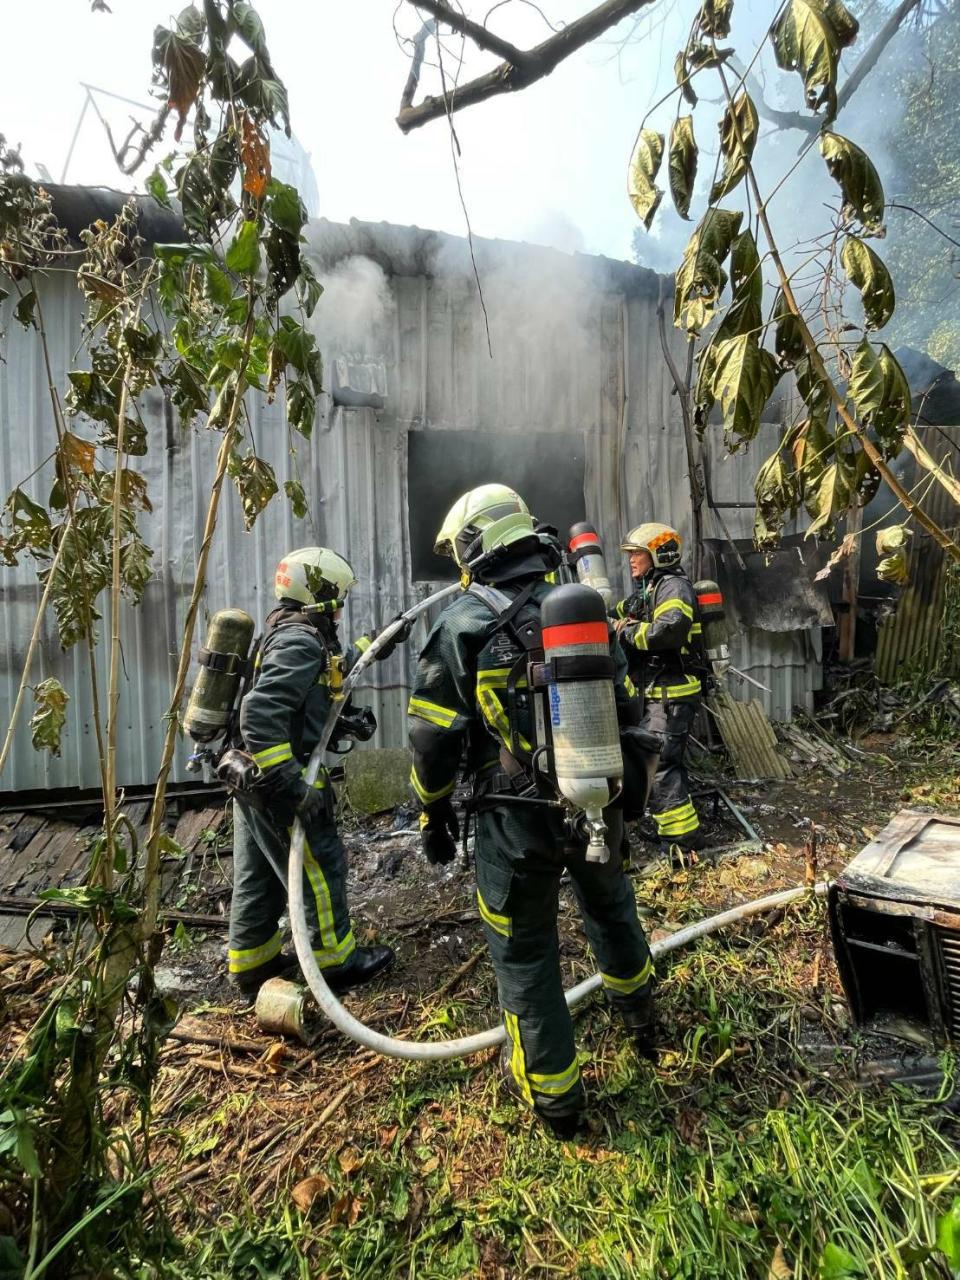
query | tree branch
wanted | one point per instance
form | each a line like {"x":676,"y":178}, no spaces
{"x":511,"y":75}
{"x":872,"y":55}
{"x":413,"y":79}
{"x":480,"y":36}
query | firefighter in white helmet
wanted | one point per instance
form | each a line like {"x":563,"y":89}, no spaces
{"x":661,"y":634}
{"x":299,"y":666}
{"x":466,"y":707}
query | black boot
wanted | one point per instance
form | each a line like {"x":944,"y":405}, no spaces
{"x":563,"y":1127}
{"x":364,"y":964}
{"x":248,"y":984}
{"x":639,"y":1016}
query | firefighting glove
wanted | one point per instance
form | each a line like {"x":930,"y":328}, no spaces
{"x":403,"y":634}
{"x":439,"y":833}
{"x":312,"y":805}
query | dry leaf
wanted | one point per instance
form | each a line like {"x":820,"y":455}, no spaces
{"x":780,"y":1268}
{"x":387,"y":1135}
{"x":349,"y":1160}
{"x":273,"y":1058}
{"x":844,"y":549}
{"x":416,"y":1206}
{"x":255,"y":158}
{"x":430,"y":1165}
{"x":77,"y":453}
{"x":347,"y":1209}
{"x":305,"y":1192}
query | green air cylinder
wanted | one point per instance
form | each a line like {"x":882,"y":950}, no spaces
{"x":222,"y":665}
{"x":714,"y":619}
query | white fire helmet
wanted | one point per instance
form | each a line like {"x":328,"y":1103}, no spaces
{"x":313,"y":575}
{"x":662,"y":543}
{"x":482,"y":520}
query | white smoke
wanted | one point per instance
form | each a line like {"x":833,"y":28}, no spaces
{"x":357,"y":303}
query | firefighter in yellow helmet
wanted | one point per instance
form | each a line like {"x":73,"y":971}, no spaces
{"x":299,"y":667}
{"x":471,"y":705}
{"x":661,"y":634}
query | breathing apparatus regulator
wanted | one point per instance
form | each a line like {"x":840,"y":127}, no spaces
{"x":565,"y":670}
{"x":317,"y":580}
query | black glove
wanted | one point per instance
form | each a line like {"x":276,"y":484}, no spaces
{"x":312,"y":805}
{"x":439,"y":833}
{"x":357,"y":722}
{"x":403,"y":633}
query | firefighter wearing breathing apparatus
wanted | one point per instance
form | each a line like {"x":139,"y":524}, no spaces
{"x":661,"y":634}
{"x":517,"y":678}
{"x":298,"y":670}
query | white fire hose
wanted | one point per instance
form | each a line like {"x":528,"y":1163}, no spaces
{"x":435,"y":1050}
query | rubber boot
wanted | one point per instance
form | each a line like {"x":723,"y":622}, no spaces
{"x":364,"y":964}
{"x":563,"y":1127}
{"x":248,"y":984}
{"x":639,"y":1015}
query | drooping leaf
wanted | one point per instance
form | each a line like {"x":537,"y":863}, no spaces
{"x":49,"y":716}
{"x":254,"y":157}
{"x":778,"y":497}
{"x":180,"y":64}
{"x":309,"y":288}
{"x":219,"y":288}
{"x":298,"y":499}
{"x":682,"y":164}
{"x":804,"y":40}
{"x":704,"y":397}
{"x":867,"y":480}
{"x":243,"y":256}
{"x":285,"y":208}
{"x":714,"y":18}
{"x":77,"y":453}
{"x":858,"y":180}
{"x":700,"y":278}
{"x":645,"y":162}
{"x":814,"y":391}
{"x":156,"y":185}
{"x":684,"y":77}
{"x":299,"y":347}
{"x":256,"y":484}
{"x":136,"y":564}
{"x":24,"y":309}
{"x":867,"y":387}
{"x":830,"y":495}
{"x":739,"y":130}
{"x":846,"y":28}
{"x":788,"y":339}
{"x":301,"y":406}
{"x":868,"y":273}
{"x":811,"y":446}
{"x":743,"y":380}
{"x":745,"y":313}
{"x":696,"y":57}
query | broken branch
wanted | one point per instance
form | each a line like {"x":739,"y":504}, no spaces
{"x":480,"y":36}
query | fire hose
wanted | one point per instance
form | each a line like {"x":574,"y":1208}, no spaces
{"x":435,"y":1050}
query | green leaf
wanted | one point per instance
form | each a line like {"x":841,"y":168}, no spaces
{"x":16,"y":1135}
{"x":858,"y":180}
{"x":778,"y":497}
{"x":829,"y":496}
{"x":866,"y":387}
{"x":13,"y":1265}
{"x":178,"y":255}
{"x":299,"y":348}
{"x":744,"y":377}
{"x":682,"y":164}
{"x":25,"y":308}
{"x":948,"y":1234}
{"x":256,"y":484}
{"x":739,"y":130}
{"x":813,"y":390}
{"x":703,"y":394}
{"x":645,"y":163}
{"x":301,"y":406}
{"x":868,"y":273}
{"x":298,"y":499}
{"x":156,"y":185}
{"x":838,"y":1264}
{"x":788,"y":339}
{"x":285,"y":208}
{"x":219,"y":288}
{"x":700,"y":278}
{"x":243,"y":256}
{"x":136,"y":565}
{"x":804,"y":40}
{"x":49,"y":716}
{"x":714,"y":18}
{"x":745,"y":314}
{"x":309,"y":288}
{"x":846,"y":28}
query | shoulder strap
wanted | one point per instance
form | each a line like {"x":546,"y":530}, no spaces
{"x":506,"y":609}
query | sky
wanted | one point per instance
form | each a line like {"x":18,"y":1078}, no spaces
{"x":547,"y":165}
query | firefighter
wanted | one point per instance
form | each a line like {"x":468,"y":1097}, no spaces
{"x":661,"y":634}
{"x":462,"y":707}
{"x":298,"y":667}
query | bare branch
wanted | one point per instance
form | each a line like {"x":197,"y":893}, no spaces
{"x":413,"y":79}
{"x":480,"y":36}
{"x":511,"y":75}
{"x":872,"y":55}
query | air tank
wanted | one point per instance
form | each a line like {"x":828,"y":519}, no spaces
{"x":585,"y":552}
{"x":222,"y":667}
{"x":714,"y":620}
{"x":581,"y":706}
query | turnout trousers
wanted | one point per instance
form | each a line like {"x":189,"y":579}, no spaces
{"x":670,"y":805}
{"x":520,"y":855}
{"x":261,"y":845}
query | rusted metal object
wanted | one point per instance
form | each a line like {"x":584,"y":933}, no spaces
{"x":288,"y":1009}
{"x":895,"y":919}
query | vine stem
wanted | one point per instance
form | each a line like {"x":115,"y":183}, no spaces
{"x":151,"y":875}
{"x":942,"y":538}
{"x":32,"y":646}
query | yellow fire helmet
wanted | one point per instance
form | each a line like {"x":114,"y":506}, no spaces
{"x":663,"y":543}
{"x":313,"y":575}
{"x":483,"y":520}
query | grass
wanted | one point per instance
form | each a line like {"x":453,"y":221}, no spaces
{"x":733,"y":1156}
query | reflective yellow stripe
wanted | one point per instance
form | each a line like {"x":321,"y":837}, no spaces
{"x":696,"y":629}
{"x":432,"y":712}
{"x":639,"y":638}
{"x":254,"y":957}
{"x":363,"y":644}
{"x":553,"y":1084}
{"x":500,"y":924}
{"x":334,"y":950}
{"x":687,"y":689}
{"x":673,"y":603}
{"x":425,"y":796}
{"x":273,"y":755}
{"x":550,"y":577}
{"x":627,"y":986}
{"x":489,"y":681}
{"x":677,"y":822}
{"x":621,"y":609}
{"x":630,"y":687}
{"x":320,"y":781}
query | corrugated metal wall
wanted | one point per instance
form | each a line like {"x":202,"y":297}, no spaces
{"x":575,"y":348}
